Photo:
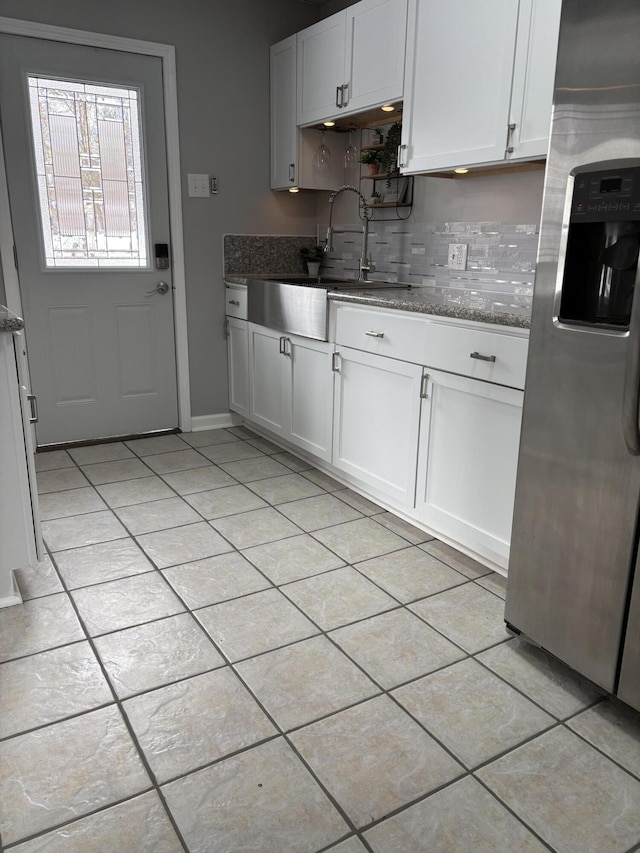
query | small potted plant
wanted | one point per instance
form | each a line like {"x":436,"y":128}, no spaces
{"x":376,"y":198}
{"x":377,"y":137}
{"x":389,"y":154}
{"x":371,"y":159}
{"x":312,"y":256}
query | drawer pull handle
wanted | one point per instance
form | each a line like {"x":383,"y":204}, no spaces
{"x":234,"y":302}
{"x":373,"y":334}
{"x":478,"y":355}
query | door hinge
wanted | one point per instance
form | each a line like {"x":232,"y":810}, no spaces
{"x":424,"y":386}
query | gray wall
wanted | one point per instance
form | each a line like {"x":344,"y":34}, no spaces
{"x":222,"y":55}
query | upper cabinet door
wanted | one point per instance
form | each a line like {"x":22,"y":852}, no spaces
{"x":460,"y":57}
{"x":533,"y":76}
{"x":284,"y":133}
{"x":321,"y":69}
{"x":375,"y":47}
{"x":352,"y":61}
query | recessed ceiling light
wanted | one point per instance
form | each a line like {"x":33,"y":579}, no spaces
{"x":294,"y":189}
{"x":461,"y":171}
{"x":328,"y":123}
{"x":387,"y":108}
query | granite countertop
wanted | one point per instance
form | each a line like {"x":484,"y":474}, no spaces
{"x":9,"y":322}
{"x":422,"y":300}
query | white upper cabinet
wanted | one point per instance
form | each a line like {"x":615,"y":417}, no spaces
{"x":533,"y":76}
{"x":284,"y":133}
{"x":478,"y":82}
{"x":293,"y":149}
{"x":352,"y":60}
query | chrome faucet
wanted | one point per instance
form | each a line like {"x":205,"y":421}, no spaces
{"x":366,"y":265}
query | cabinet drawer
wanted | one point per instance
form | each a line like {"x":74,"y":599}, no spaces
{"x":392,"y":334}
{"x":492,"y":356}
{"x":235,"y":301}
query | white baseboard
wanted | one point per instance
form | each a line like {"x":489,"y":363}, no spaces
{"x":227,"y":419}
{"x":10,"y":592}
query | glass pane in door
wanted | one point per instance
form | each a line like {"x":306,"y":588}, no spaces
{"x":90,"y":173}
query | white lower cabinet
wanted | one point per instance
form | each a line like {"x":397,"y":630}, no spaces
{"x":291,"y":387}
{"x":439,"y":446}
{"x":238,"y":364}
{"x":469,"y":437}
{"x":376,"y":419}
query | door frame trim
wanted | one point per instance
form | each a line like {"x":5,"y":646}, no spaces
{"x":167,"y":54}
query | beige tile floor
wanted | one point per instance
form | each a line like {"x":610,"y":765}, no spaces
{"x":229,"y":651}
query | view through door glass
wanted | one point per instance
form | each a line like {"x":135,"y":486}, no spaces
{"x":86,"y":162}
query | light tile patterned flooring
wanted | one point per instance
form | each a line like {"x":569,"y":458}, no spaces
{"x":228,"y":651}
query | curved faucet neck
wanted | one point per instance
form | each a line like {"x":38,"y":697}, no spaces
{"x":365,"y":262}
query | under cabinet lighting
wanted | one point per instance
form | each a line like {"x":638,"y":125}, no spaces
{"x":294,"y":189}
{"x":329,"y":123}
{"x":387,"y":108}
{"x":461,"y":171}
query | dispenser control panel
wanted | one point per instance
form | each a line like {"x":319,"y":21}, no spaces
{"x":607,"y":195}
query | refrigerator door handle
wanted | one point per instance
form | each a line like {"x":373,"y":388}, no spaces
{"x":631,"y":392}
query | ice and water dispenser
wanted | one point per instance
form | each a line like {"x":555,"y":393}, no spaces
{"x":602,"y":248}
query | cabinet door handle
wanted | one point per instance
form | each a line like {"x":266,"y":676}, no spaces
{"x":335,"y":362}
{"x":338,"y":96}
{"x":509,"y":146}
{"x":373,"y":334}
{"x":33,"y":405}
{"x":481,"y":357}
{"x":424,"y":385}
{"x":284,"y":340}
{"x":292,"y":173}
{"x":401,"y":162}
{"x":234,"y":302}
{"x":344,"y":98}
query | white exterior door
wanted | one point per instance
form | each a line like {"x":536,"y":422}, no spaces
{"x":88,"y":205}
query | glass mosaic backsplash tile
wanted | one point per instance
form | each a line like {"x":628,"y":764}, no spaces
{"x":500,"y":265}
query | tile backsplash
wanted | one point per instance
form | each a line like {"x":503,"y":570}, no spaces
{"x":500,"y":265}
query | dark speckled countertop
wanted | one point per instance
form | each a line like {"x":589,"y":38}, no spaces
{"x":422,"y":300}
{"x":419,"y":301}
{"x":9,"y":322}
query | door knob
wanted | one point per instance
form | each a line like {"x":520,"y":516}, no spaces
{"x":161,"y":287}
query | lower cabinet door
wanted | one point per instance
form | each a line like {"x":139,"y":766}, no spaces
{"x":376,"y":422}
{"x":311,"y":375}
{"x":469,"y":437}
{"x":238,"y":361}
{"x":268,"y":379}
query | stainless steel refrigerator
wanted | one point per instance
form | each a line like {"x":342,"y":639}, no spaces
{"x":574,"y":579}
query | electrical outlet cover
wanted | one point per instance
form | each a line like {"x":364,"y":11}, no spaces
{"x":457,"y":258}
{"x":199,"y":186}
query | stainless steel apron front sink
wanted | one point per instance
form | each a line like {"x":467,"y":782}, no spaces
{"x":299,"y":305}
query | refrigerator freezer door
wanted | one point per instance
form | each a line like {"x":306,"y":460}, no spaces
{"x":578,"y":487}
{"x":629,"y":686}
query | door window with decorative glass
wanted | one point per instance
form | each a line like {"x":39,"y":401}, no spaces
{"x":90,"y":174}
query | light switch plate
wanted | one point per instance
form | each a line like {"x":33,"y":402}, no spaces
{"x":199,"y":186}
{"x":457,"y":256}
